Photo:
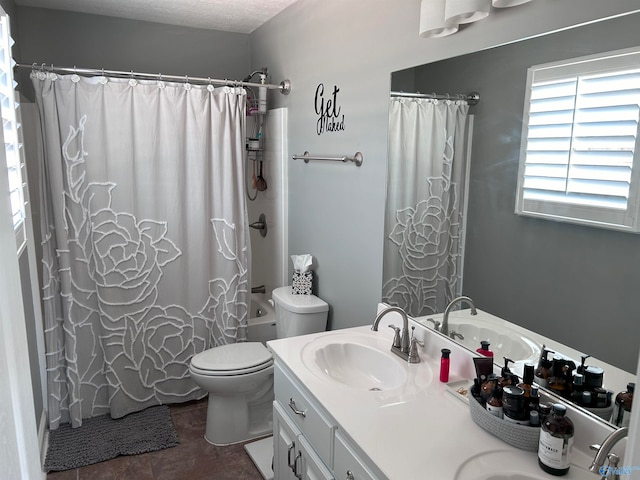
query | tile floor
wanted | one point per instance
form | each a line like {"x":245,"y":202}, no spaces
{"x":193,"y":459}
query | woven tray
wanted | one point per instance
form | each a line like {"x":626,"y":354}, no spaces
{"x":604,"y":413}
{"x":519,"y":436}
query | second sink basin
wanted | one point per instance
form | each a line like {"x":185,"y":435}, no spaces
{"x":512,"y":465}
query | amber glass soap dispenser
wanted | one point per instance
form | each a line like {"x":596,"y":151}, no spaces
{"x":556,"y":440}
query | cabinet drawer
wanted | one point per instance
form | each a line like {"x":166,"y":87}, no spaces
{"x":347,"y":464}
{"x":305,"y":413}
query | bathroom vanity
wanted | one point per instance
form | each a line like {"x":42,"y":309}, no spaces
{"x":347,"y":408}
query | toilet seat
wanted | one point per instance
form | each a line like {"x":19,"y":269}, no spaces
{"x":232,"y":359}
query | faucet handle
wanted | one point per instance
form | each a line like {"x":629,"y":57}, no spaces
{"x":396,"y":337}
{"x":613,"y":459}
{"x":413,"y":349}
{"x":436,"y":324}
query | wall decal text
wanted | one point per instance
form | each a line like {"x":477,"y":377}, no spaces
{"x":328,"y":111}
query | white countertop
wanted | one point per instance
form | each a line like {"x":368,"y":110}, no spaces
{"x":417,"y":430}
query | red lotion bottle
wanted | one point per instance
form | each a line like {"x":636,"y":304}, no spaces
{"x":484,"y":349}
{"x":444,"y":365}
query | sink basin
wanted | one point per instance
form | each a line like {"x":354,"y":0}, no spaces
{"x":504,"y":342}
{"x":358,"y":361}
{"x":360,"y":366}
{"x":511,"y":465}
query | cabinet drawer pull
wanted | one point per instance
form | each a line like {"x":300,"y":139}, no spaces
{"x":292,"y":405}
{"x":292,"y":449}
{"x":295,"y":466}
{"x":350,"y":475}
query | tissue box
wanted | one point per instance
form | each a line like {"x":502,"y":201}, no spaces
{"x":302,"y":283}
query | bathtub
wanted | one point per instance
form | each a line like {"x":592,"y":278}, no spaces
{"x":262,"y":319}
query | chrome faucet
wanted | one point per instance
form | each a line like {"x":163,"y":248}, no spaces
{"x":603,"y":451}
{"x":444,"y":328}
{"x":402,"y":349}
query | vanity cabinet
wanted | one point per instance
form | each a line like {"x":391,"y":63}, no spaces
{"x":308,"y":443}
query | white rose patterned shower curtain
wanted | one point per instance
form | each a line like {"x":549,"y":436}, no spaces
{"x":422,"y":266}
{"x":145,"y":243}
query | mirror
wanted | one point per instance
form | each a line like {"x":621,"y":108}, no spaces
{"x":570,"y":283}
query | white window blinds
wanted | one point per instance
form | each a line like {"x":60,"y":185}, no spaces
{"x":578,"y":159}
{"x":10,"y":126}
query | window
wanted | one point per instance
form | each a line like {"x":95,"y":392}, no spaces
{"x":10,"y":127}
{"x":579,"y":158}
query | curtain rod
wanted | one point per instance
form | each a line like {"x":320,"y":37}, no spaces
{"x":471,"y":98}
{"x":284,"y":86}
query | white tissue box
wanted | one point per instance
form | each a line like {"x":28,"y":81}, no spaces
{"x":302,"y":283}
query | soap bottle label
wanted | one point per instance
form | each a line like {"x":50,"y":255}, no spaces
{"x":621,"y":416}
{"x":495,"y":410}
{"x":554,"y":451}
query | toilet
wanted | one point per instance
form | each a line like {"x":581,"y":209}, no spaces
{"x":239,"y":376}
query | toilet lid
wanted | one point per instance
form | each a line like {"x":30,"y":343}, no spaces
{"x":232,"y":357}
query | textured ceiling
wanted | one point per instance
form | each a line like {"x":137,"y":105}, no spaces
{"x":242,"y":16}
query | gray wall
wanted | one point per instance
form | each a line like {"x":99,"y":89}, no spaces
{"x":569,"y":282}
{"x":94,"y":41}
{"x":336,"y":210}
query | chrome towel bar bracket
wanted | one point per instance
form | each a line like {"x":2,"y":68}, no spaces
{"x":357,"y":158}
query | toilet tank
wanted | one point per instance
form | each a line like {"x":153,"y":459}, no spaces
{"x":298,"y":314}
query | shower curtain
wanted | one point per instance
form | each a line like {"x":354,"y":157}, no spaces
{"x":422,"y":267}
{"x":145,"y":241}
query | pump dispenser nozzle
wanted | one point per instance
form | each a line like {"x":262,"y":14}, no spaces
{"x":505,"y":369}
{"x":507,"y":377}
{"x":581,"y":369}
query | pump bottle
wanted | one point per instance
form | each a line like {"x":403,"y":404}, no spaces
{"x":556,"y":440}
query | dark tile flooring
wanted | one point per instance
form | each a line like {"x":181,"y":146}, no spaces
{"x":193,"y":459}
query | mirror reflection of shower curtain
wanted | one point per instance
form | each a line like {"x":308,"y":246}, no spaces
{"x":145,"y":238}
{"x":426,"y":188}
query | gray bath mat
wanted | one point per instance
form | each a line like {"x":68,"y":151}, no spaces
{"x":103,"y":438}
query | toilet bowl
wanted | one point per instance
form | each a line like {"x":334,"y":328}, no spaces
{"x":239,"y":376}
{"x":239,"y":379}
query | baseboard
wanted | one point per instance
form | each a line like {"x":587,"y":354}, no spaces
{"x":43,"y":440}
